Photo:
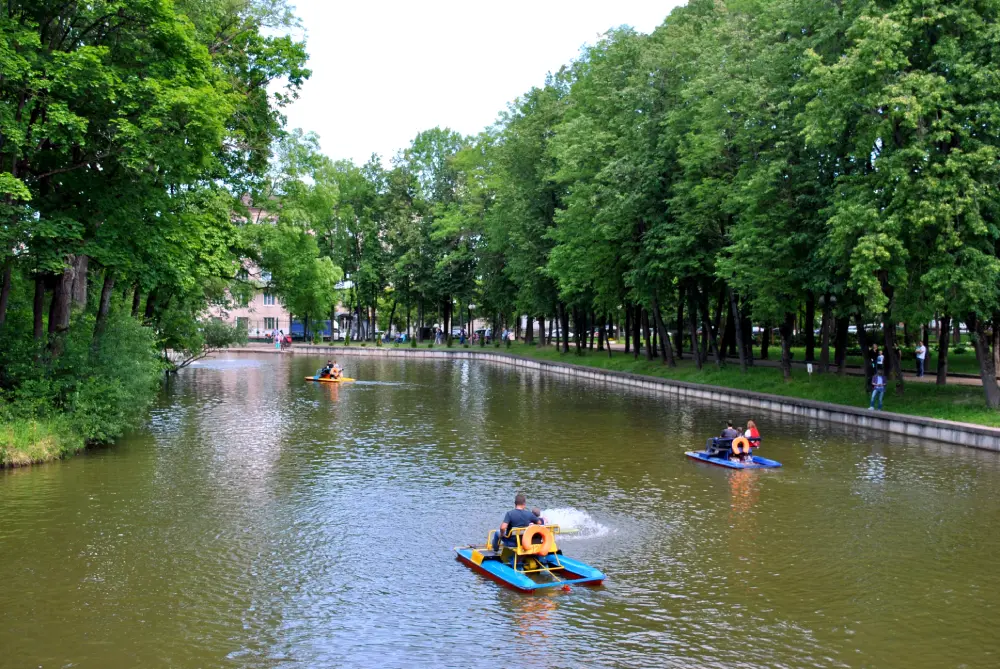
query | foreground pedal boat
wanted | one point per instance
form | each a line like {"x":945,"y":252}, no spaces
{"x":342,"y":379}
{"x":527,"y":569}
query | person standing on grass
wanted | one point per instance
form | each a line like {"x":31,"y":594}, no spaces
{"x":921,"y":358}
{"x":878,"y":385}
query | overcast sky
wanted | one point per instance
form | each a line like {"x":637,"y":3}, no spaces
{"x":384,"y":71}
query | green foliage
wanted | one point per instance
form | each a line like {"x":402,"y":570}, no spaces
{"x":97,"y":388}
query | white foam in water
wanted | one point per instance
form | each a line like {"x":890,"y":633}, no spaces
{"x":581,"y":522}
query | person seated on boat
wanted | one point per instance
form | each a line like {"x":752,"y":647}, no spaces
{"x":730,"y":432}
{"x":325,"y":372}
{"x":516,"y":518}
{"x":538,"y":512}
{"x":335,"y":371}
{"x":752,"y":434}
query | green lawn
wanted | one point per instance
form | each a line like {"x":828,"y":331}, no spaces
{"x":958,"y":403}
{"x":960,"y":363}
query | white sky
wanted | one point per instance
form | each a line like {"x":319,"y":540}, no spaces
{"x":384,"y":71}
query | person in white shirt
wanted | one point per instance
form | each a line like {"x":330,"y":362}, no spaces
{"x":921,"y":358}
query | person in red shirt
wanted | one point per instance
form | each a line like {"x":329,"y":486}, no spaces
{"x":752,"y":434}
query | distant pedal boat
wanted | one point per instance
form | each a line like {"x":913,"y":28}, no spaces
{"x":718,"y":451}
{"x":342,"y":379}
{"x":530,"y":567}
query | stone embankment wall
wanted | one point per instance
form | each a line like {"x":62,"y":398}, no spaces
{"x":964,"y":434}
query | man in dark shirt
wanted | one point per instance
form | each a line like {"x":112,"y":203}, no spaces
{"x":517,"y":517}
{"x":730,"y":432}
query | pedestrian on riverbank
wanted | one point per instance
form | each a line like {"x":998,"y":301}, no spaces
{"x":878,"y":384}
{"x":921,"y":358}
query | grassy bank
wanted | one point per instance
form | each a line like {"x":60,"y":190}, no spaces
{"x":959,"y":403}
{"x":29,"y":442}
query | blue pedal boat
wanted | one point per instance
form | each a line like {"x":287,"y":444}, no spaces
{"x":719,"y":451}
{"x":533,"y":563}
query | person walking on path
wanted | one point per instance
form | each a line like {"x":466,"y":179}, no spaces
{"x":921,"y":358}
{"x":878,"y":384}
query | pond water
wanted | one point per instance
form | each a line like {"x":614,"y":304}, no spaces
{"x":260,"y":521}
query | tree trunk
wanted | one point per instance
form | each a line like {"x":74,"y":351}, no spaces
{"x":392,"y":314}
{"x":60,"y":310}
{"x":995,"y":327}
{"x":747,"y":326}
{"x":628,"y":328}
{"x":824,"y":333}
{"x":136,"y":301}
{"x":866,"y":352}
{"x":600,"y":335}
{"x":636,"y":327}
{"x":665,"y":348}
{"x":738,"y":330}
{"x":644,"y":316}
{"x":8,"y":268}
{"x":893,"y":369}
{"x":104,"y":307}
{"x":765,"y":341}
{"x":150,"y":305}
{"x":590,"y":330}
{"x":810,"y":323}
{"x":79,"y":291}
{"x":943,"y":341}
{"x":564,"y":325}
{"x":679,"y":335}
{"x":693,"y":325}
{"x":840,"y":345}
{"x":580,"y":325}
{"x":62,"y":299}
{"x":728,"y":334}
{"x":38,"y":307}
{"x":712,"y":333}
{"x":529,"y":330}
{"x":785,"y":329}
{"x":420,"y":320}
{"x":987,"y":370}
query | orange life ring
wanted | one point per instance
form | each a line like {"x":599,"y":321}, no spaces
{"x":741,"y":441}
{"x":544,"y":547}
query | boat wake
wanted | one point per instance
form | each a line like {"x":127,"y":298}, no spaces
{"x":578,"y":523}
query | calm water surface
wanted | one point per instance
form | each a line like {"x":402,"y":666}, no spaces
{"x":261,"y":521}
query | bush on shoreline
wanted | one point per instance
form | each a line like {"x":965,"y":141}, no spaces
{"x":92,"y":392}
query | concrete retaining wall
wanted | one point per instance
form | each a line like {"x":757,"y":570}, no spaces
{"x":964,"y":434}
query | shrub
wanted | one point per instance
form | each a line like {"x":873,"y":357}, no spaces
{"x":97,"y":390}
{"x":347,"y":339}
{"x":430,"y":345}
{"x":960,"y":350}
{"x":413,"y":343}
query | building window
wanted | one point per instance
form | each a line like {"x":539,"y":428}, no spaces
{"x":265,"y":276}
{"x":270,"y":323}
{"x":242,"y":323}
{"x":268,"y":299}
